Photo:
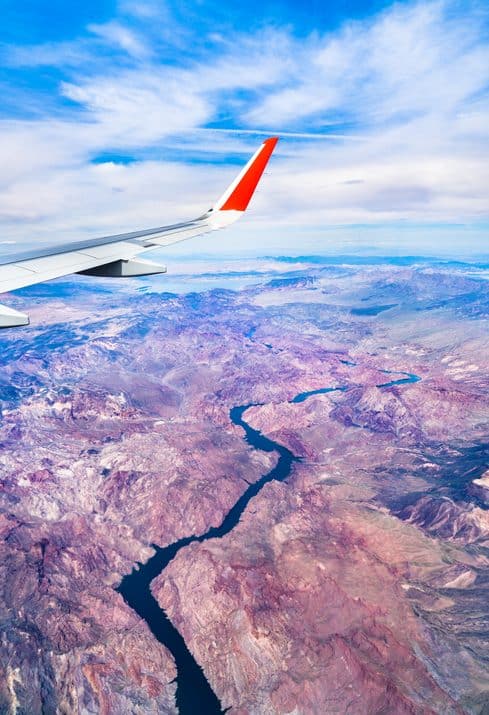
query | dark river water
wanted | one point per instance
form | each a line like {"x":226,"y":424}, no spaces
{"x":194,"y":694}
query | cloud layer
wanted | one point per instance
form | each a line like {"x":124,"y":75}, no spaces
{"x":384,"y":120}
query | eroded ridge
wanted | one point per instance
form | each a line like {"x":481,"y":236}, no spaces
{"x":115,"y":435}
{"x":194,"y":692}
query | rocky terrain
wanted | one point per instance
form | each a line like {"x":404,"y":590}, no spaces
{"x":357,"y":582}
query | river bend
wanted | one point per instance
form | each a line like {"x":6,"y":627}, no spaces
{"x":194,"y":693}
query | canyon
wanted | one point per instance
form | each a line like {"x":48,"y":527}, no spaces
{"x":136,"y":420}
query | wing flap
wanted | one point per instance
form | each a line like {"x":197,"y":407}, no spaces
{"x":44,"y":264}
{"x":43,"y":269}
{"x":12,"y":272}
{"x":106,"y":251}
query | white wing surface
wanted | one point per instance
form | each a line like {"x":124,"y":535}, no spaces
{"x":115,"y":255}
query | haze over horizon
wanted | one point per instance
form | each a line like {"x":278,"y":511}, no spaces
{"x":122,"y":115}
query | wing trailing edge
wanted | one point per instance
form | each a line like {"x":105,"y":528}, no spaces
{"x":113,"y":255}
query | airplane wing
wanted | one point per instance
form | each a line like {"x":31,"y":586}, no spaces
{"x":114,"y":255}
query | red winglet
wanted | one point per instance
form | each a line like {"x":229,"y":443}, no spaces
{"x":239,"y":198}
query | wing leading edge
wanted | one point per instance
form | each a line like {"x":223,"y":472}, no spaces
{"x":115,"y":255}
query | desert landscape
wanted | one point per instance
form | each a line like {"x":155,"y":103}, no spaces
{"x":262,"y":500}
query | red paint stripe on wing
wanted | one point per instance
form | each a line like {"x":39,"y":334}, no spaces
{"x":240,"y":197}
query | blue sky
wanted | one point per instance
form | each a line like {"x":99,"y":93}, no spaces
{"x":121,"y":115}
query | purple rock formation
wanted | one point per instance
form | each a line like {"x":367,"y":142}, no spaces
{"x":358,"y":585}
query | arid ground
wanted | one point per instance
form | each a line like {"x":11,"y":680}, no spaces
{"x":300,"y":464}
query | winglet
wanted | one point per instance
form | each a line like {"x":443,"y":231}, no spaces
{"x":239,"y":193}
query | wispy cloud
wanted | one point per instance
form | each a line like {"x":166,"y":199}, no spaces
{"x":401,"y":97}
{"x":408,"y":61}
{"x":116,"y":34}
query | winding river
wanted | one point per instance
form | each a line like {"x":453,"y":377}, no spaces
{"x":194,"y":693}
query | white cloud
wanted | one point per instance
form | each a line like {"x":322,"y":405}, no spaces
{"x":114,"y":33}
{"x":68,"y":54}
{"x":404,"y":95}
{"x":144,"y":9}
{"x":409,"y":60}
{"x":137,"y":108}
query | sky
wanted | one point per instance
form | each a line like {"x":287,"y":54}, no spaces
{"x":124,"y":115}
